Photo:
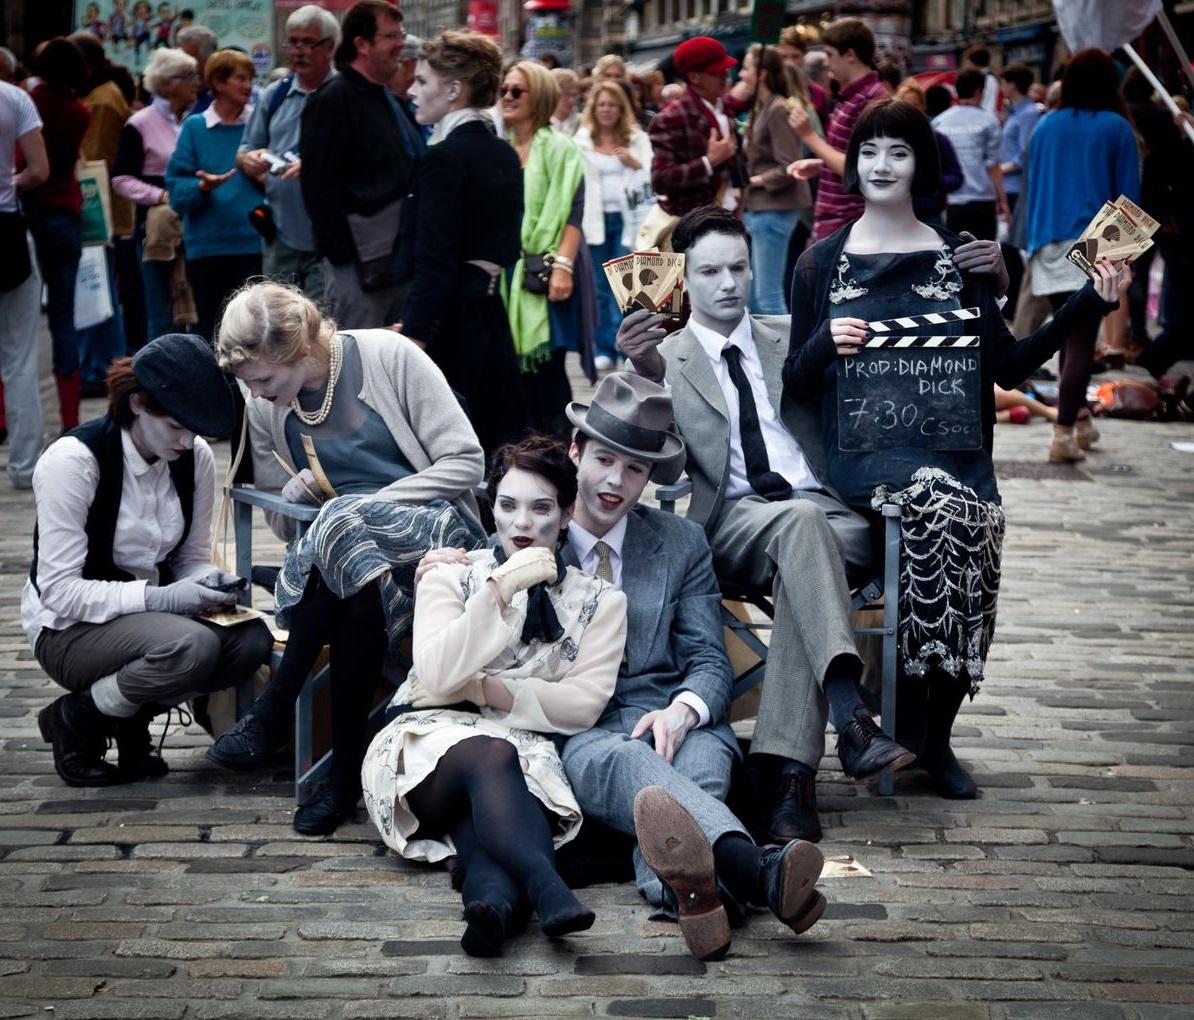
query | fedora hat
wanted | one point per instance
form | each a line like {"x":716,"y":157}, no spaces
{"x":179,"y":371}
{"x":629,"y":414}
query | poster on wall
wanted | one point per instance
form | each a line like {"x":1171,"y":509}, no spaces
{"x":132,"y":29}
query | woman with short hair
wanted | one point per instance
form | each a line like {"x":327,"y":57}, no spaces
{"x":617,"y":155}
{"x":393,"y":462}
{"x":122,"y":569}
{"x":223,"y":250}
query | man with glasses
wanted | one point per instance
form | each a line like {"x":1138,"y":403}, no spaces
{"x":696,"y":157}
{"x":269,"y":150}
{"x":358,"y":155}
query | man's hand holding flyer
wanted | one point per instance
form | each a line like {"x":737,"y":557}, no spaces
{"x":648,"y":279}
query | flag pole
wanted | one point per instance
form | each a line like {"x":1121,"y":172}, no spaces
{"x":1160,"y":89}
{"x":1176,"y":43}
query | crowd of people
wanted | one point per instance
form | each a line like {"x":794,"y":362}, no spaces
{"x":369,"y":275}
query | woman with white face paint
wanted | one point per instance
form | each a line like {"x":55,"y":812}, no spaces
{"x":509,"y":647}
{"x":888,"y":264}
{"x":121,"y":565}
{"x":460,"y":231}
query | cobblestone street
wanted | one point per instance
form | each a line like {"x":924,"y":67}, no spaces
{"x":1067,"y":890}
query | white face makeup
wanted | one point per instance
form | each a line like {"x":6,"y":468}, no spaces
{"x":432,"y":95}
{"x":717,"y":274}
{"x":609,"y":484}
{"x":886,"y":167}
{"x":273,"y":380}
{"x":158,"y":437}
{"x":527,"y":512}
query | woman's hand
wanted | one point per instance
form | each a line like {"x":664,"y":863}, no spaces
{"x":434,"y":557}
{"x":626,"y":159}
{"x":1111,"y":279}
{"x":849,"y":335}
{"x":559,"y":286}
{"x":209,"y":182}
{"x":805,"y":169}
{"x":302,"y":488}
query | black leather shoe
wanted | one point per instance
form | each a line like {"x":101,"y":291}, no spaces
{"x":329,"y":808}
{"x":949,"y":778}
{"x":249,"y":744}
{"x":78,"y":732}
{"x":864,"y":749}
{"x":788,"y":879}
{"x":137,"y":757}
{"x":794,"y":814}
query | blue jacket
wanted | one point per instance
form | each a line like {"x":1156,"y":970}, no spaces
{"x":1077,"y":160}
{"x":216,"y":223}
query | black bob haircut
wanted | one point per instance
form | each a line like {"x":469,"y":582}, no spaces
{"x":892,"y":118}
{"x":707,"y":219}
{"x":541,"y":455}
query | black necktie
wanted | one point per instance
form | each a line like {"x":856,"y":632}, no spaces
{"x":762,"y":479}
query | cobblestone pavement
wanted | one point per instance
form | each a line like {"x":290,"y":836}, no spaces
{"x":1067,"y":890}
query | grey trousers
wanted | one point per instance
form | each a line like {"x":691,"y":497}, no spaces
{"x":352,"y":308}
{"x":800,"y":549}
{"x":157,"y":657}
{"x":19,"y":311}
{"x":607,"y":769}
{"x":304,"y":269}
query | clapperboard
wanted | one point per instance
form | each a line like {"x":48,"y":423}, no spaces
{"x":913,"y":389}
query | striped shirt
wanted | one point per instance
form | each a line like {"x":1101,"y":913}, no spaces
{"x":834,"y":207}
{"x":18,"y":116}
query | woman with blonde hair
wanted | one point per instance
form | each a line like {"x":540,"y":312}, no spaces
{"x":618,"y":195}
{"x":549,"y":292}
{"x":214,"y":200}
{"x":394,"y":462}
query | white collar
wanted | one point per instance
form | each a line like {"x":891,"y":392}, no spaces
{"x":583,"y":541}
{"x":715,"y":107}
{"x":211,"y":118}
{"x":137,"y":464}
{"x":713,"y":343}
{"x":452,"y":121}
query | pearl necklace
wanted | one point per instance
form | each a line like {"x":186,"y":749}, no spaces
{"x":336,"y":359}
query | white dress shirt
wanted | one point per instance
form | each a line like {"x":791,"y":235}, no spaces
{"x":583,"y":545}
{"x":148,"y":526}
{"x":783,"y":452}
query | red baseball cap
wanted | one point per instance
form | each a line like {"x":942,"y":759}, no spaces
{"x":701,"y":53}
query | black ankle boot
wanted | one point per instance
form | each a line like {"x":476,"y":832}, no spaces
{"x":951,"y":780}
{"x":78,"y":732}
{"x":254,"y":739}
{"x":138,"y":758}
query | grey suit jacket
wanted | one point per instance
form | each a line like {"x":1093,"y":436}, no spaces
{"x":703,"y":420}
{"x":674,"y":633}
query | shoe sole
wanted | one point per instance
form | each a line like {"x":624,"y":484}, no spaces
{"x":901,"y":761}
{"x":46,"y":726}
{"x":810,"y":917}
{"x":802,"y":867}
{"x":676,"y":849}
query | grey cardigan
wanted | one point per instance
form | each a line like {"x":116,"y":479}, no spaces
{"x":404,"y":386}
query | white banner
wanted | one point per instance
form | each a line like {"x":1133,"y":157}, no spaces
{"x":1103,"y":24}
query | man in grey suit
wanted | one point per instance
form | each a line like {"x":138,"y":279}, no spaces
{"x":756,"y":462}
{"x":657,"y":764}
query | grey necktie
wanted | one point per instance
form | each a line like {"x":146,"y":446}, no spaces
{"x":605,"y":569}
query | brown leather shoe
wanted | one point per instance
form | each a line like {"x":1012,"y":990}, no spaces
{"x":676,"y":849}
{"x":794,"y":813}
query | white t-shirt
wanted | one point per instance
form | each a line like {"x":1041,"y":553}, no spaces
{"x":611,"y":170}
{"x":18,"y":116}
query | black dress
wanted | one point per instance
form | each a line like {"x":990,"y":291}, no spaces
{"x":466,"y":207}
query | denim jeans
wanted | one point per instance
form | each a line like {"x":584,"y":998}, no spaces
{"x":609,"y":315}
{"x":103,"y":343}
{"x":159,"y":310}
{"x":770,"y":230}
{"x":58,"y":237}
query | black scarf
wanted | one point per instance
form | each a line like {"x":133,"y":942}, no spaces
{"x":541,"y":623}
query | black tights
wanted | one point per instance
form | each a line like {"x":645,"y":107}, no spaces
{"x":1077,"y":365}
{"x":355,"y":628}
{"x":479,"y":796}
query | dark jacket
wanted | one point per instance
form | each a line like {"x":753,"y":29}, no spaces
{"x":1165,"y":191}
{"x":466,"y":205}
{"x":1004,"y":359}
{"x":354,"y":159}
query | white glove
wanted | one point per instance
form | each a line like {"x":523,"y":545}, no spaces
{"x":472,"y":691}
{"x":186,"y":598}
{"x":525,"y":569}
{"x":302,"y":489}
{"x":216,"y":578}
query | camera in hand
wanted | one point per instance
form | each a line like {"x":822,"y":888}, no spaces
{"x":279,"y":164}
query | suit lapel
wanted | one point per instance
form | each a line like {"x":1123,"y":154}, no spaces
{"x":698,"y":372}
{"x":771,"y":356}
{"x":645,"y":584}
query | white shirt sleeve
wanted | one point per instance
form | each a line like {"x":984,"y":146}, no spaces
{"x":697,"y":704}
{"x":64,"y":485}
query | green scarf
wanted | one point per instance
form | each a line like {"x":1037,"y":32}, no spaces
{"x":553,"y":172}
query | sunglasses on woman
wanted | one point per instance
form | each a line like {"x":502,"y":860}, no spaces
{"x":515,"y":92}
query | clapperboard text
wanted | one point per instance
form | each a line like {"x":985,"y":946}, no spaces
{"x":912,"y":389}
